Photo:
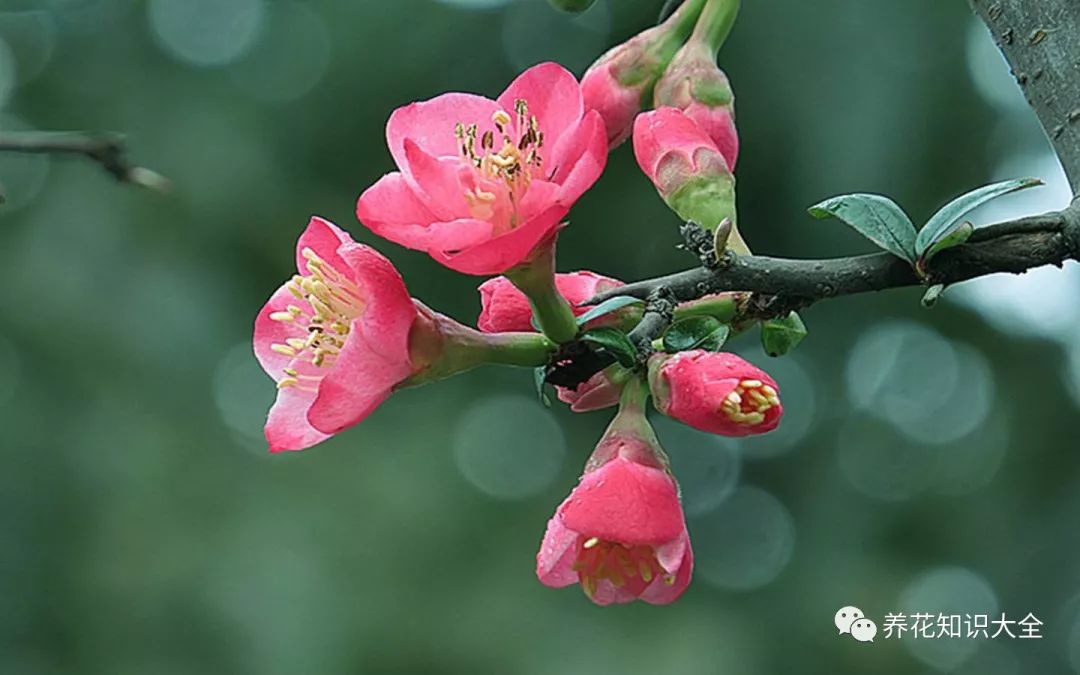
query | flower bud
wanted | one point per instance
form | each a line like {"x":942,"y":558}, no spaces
{"x":620,"y":83}
{"x":505,"y":308}
{"x":717,"y":392}
{"x":687,"y":169}
{"x":695,"y":85}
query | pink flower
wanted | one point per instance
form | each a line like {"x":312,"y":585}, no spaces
{"x":482,"y":184}
{"x":621,"y":533}
{"x":717,"y":392}
{"x":335,"y":338}
{"x":598,"y":392}
{"x":504,"y":308}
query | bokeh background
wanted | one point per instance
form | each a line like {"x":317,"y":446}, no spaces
{"x":928,"y":461}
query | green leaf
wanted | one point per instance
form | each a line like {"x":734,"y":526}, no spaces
{"x":539,"y":380}
{"x":613,"y":341}
{"x":780,"y":336}
{"x":606,"y":307}
{"x":930,"y":298}
{"x":695,"y":332}
{"x":875,"y":217}
{"x":940,"y":223}
{"x":954,"y":236}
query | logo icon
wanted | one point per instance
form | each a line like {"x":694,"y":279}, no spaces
{"x":852,"y":621}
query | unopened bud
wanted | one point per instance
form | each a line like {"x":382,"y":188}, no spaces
{"x":619,"y":84}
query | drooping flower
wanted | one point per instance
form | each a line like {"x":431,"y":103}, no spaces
{"x":335,"y":338}
{"x":505,"y":308}
{"x":717,"y":392}
{"x":619,"y":83}
{"x":483,"y":184}
{"x":621,"y":533}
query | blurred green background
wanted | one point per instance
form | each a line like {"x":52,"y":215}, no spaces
{"x":928,"y":460}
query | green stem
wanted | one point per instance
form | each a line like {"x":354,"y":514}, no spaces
{"x":536,"y":279}
{"x":631,"y":422}
{"x":675,"y":30}
{"x":715,"y":23}
{"x":465,"y":348}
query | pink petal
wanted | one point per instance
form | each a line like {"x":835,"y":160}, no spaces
{"x":438,"y":181}
{"x":390,"y":310}
{"x":625,"y":502}
{"x":391,"y":209}
{"x":375,"y":357}
{"x":663,"y":131}
{"x":555,"y":559}
{"x":391,"y":203}
{"x":269,"y":332}
{"x":503,"y":307}
{"x":430,"y":124}
{"x":499,"y":254}
{"x":287,"y":426}
{"x":359,"y":381}
{"x":324,"y":238}
{"x":540,"y":196}
{"x":580,"y":158}
{"x":553,"y":95}
{"x":661,"y":593}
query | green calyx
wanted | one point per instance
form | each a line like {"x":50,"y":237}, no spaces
{"x":706,"y":199}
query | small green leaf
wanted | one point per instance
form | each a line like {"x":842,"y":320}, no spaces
{"x":606,"y":307}
{"x":875,"y":217}
{"x":930,"y":298}
{"x":939,"y":224}
{"x":613,"y":341}
{"x":539,"y":380}
{"x":954,"y":236}
{"x":695,"y":332}
{"x":780,"y":336}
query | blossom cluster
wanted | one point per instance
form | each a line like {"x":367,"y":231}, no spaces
{"x":484,"y":187}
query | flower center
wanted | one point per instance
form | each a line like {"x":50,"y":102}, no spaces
{"x":511,"y":166}
{"x":331,"y":301}
{"x":624,"y":566}
{"x":749,"y":402}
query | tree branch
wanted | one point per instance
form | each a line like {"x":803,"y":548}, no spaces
{"x":1014,"y":246}
{"x":105,"y":149}
{"x":1041,"y":42}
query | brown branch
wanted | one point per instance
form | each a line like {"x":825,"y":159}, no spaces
{"x":105,"y":149}
{"x":1014,"y":246}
